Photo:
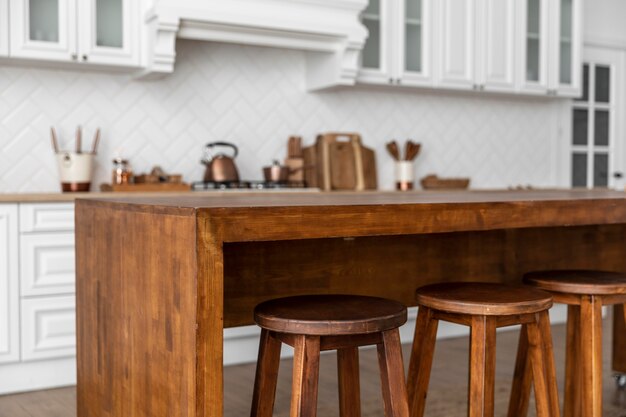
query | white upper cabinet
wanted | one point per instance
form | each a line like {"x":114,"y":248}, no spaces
{"x":98,"y":31}
{"x":456,"y":43}
{"x":397,"y":50}
{"x":496,"y":45}
{"x":110,"y":32}
{"x":43,"y":29}
{"x":413,"y":42}
{"x":565,"y":48}
{"x":376,"y":57}
{"x":533,"y":41}
{"x":4,"y":28}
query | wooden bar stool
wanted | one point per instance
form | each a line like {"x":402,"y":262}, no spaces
{"x":584,"y":292}
{"x":484,"y":307}
{"x":329,"y":322}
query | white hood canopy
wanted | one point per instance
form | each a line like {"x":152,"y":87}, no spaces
{"x":328,"y":30}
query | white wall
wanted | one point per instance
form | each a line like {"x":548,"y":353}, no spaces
{"x":605,"y":20}
{"x":255,"y":97}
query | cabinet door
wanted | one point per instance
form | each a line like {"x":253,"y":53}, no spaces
{"x":533,"y":42}
{"x":495,"y":57}
{"x":9,"y":293}
{"x":48,"y":328}
{"x":413,"y":46}
{"x":376,"y":61}
{"x":109,"y":31}
{"x":43,"y":29}
{"x":4,"y":28}
{"x":47,"y":264}
{"x":565,"y":48}
{"x":456,"y":43}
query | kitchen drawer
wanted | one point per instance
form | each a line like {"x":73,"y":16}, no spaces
{"x":47,"y":264}
{"x":48,"y":328}
{"x":51,"y":217}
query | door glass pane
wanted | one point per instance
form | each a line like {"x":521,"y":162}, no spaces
{"x":413,"y":34}
{"x":533,"y":40}
{"x":109,"y":23}
{"x":579,"y":170}
{"x":566,"y":42}
{"x":600,"y":170}
{"x":580,"y":126}
{"x":43,"y":18}
{"x":371,"y":50}
{"x":601,"y":128}
{"x":585,"y":92}
{"x":603,"y":84}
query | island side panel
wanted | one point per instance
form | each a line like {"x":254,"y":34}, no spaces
{"x":210,"y":311}
{"x":136,"y":311}
{"x":395,"y":266}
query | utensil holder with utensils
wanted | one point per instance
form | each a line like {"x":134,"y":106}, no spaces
{"x":75,"y":168}
{"x":404,"y":167}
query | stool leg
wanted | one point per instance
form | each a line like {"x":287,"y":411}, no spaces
{"x":591,"y":355}
{"x":266,"y":376}
{"x":482,"y":366}
{"x":545,"y":331}
{"x":522,"y":379}
{"x":572,"y":401}
{"x":421,"y":360}
{"x":392,"y":375}
{"x":349,"y":387}
{"x":537,"y":363}
{"x":306,"y":367}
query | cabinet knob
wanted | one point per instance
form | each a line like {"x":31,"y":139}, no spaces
{"x":390,"y":80}
{"x":74,"y":57}
{"x":85,"y":57}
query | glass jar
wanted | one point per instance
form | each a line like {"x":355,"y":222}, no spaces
{"x":122,"y":173}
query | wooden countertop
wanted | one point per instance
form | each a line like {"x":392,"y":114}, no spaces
{"x":70,"y":197}
{"x":271,"y":216}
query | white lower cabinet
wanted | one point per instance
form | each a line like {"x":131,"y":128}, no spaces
{"x":48,"y":328}
{"x":9,"y":292}
{"x":37,"y":302}
{"x":47,"y":264}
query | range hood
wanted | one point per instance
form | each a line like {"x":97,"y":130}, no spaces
{"x":328,"y":30}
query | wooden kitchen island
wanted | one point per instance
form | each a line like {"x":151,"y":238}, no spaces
{"x":159,"y":278}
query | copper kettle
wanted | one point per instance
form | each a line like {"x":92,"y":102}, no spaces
{"x":220,"y":167}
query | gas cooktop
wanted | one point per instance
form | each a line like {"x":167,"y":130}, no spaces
{"x":246,"y":185}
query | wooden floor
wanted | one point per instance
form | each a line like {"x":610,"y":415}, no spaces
{"x":447,"y":394}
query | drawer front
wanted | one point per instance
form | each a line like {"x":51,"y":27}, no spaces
{"x":52,"y":217}
{"x":47,"y":264}
{"x":48,"y":328}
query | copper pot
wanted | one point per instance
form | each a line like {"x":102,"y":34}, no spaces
{"x":276,"y":172}
{"x":219,"y":166}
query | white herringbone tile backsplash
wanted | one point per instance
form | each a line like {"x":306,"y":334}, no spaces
{"x":255,"y":97}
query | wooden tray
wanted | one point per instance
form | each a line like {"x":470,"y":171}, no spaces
{"x":158,"y":187}
{"x":432,"y":182}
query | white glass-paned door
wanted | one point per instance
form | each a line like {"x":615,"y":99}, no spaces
{"x":110,"y":23}
{"x":371,"y":18}
{"x":593,"y":128}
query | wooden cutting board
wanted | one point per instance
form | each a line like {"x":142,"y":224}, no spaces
{"x":339,"y":161}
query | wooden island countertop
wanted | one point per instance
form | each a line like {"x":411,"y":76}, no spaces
{"x":158,"y":278}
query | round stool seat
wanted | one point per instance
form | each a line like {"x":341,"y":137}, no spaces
{"x":325,"y":315}
{"x":578,"y":282}
{"x":483,"y":299}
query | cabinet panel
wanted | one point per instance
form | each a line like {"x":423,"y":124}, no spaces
{"x":414,"y":41}
{"x":496,"y":57}
{"x":47,"y":264}
{"x":54,"y":217}
{"x":4,"y":28}
{"x":533,"y":45}
{"x":376,"y":57}
{"x":109,"y":31}
{"x":457,"y":29}
{"x":9,"y":293}
{"x":48,"y":328}
{"x":565,"y":48}
{"x":43,"y":29}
